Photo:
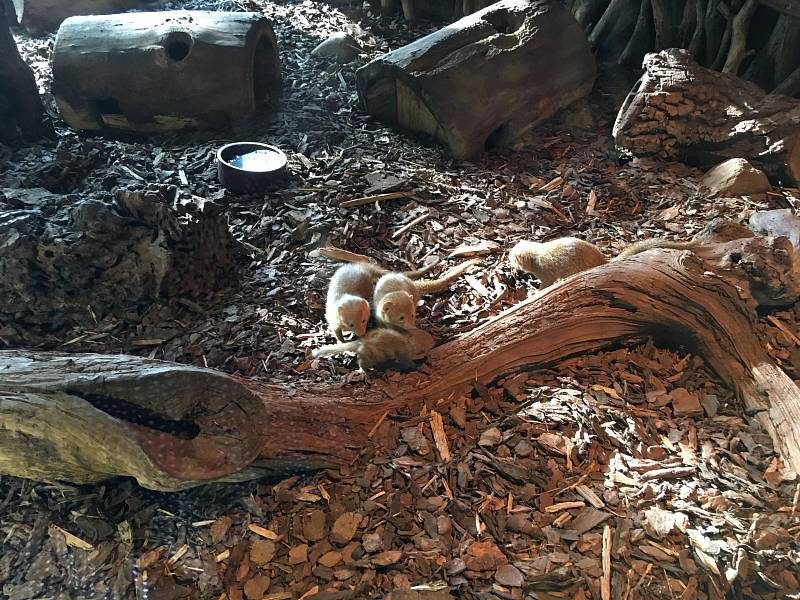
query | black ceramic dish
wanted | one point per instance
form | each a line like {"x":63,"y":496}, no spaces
{"x":247,"y":167}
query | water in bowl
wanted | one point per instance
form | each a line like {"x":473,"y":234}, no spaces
{"x":257,"y":160}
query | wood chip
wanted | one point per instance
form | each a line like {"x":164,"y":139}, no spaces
{"x":440,"y":437}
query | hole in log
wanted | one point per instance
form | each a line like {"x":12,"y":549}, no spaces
{"x":108,"y":106}
{"x":499,"y":137}
{"x":133,"y":413}
{"x":178,"y":44}
{"x":264,"y":71}
{"x":503,"y":21}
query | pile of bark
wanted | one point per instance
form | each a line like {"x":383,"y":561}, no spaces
{"x":89,"y":263}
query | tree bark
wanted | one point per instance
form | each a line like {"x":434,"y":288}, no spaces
{"x":447,"y":84}
{"x":681,"y":111}
{"x":173,"y":427}
{"x":38,"y":16}
{"x":21,"y":111}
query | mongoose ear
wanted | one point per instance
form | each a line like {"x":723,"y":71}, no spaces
{"x":386,"y":304}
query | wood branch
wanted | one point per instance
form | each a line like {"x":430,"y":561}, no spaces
{"x":21,"y":111}
{"x":697,"y":36}
{"x":662,"y":24}
{"x":715,"y":27}
{"x":688,"y":22}
{"x":670,"y":114}
{"x":38,"y":16}
{"x":442,"y":84}
{"x":789,"y":86}
{"x":220,"y":67}
{"x":588,"y":12}
{"x":740,"y":27}
{"x":610,"y":36}
{"x":789,"y":7}
{"x":193,"y":425}
{"x":641,"y":40}
{"x":769,"y":67}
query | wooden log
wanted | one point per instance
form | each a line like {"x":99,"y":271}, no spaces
{"x":38,"y":16}
{"x":68,"y":264}
{"x":21,"y":111}
{"x":705,"y":300}
{"x":485,"y":79}
{"x":681,"y":111}
{"x":110,"y":72}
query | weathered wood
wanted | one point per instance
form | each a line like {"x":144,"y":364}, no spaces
{"x":215,"y":422}
{"x":682,"y":111}
{"x":110,"y":72}
{"x":21,"y":111}
{"x":485,"y":79}
{"x":46,"y":15}
{"x":69,"y":263}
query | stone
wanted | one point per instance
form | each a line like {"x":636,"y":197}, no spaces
{"x":735,"y":177}
{"x":780,"y":221}
{"x":340,"y":46}
{"x":372,"y":542}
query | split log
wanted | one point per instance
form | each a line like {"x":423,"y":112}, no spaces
{"x":21,"y":111}
{"x":38,"y":16}
{"x":172,"y":426}
{"x":69,"y":264}
{"x":484,"y":80}
{"x":679,"y":110}
{"x":110,"y":72}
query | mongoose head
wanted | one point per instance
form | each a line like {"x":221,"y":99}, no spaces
{"x":398,"y":308}
{"x":353,"y":315}
{"x":524,"y":256}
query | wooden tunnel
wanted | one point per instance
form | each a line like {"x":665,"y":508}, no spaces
{"x":160,"y":71}
{"x":484,"y":80}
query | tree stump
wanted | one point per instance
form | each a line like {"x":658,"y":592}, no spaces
{"x":21,"y":111}
{"x":38,"y":16}
{"x":111,"y":72}
{"x":679,"y":110}
{"x":69,"y":262}
{"x":172,"y":426}
{"x":484,"y":80}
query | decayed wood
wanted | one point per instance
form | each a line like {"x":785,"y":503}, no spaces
{"x":46,"y":15}
{"x":484,"y":80}
{"x":21,"y":111}
{"x":704,"y":300}
{"x":680,"y":110}
{"x":109,"y":72}
{"x":69,"y":263}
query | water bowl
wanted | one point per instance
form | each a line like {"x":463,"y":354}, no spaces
{"x":247,"y":167}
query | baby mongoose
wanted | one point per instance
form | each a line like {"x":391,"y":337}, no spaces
{"x":347,"y":305}
{"x":378,"y":347}
{"x":562,"y":257}
{"x":396,"y":295}
{"x":556,"y":259}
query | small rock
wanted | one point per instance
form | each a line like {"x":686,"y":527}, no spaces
{"x":455,"y":567}
{"x":339,"y":46}
{"x":710,"y":404}
{"x":344,"y":528}
{"x":491,"y":437}
{"x":372,"y":542}
{"x":780,"y":221}
{"x":735,"y":177}
{"x":509,"y":575}
{"x":443,"y":525}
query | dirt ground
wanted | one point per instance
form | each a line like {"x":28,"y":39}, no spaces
{"x":638,"y":454}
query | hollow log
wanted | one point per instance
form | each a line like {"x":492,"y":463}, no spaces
{"x":21,"y":111}
{"x":110,"y":72}
{"x":681,"y":111}
{"x":173,"y":427}
{"x":71,"y":263}
{"x":38,"y":16}
{"x":484,"y":80}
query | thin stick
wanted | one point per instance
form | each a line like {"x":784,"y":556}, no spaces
{"x":376,"y":198}
{"x":605,"y":582}
{"x":408,"y":226}
{"x":339,"y":254}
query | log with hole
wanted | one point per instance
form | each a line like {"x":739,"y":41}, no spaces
{"x":160,"y":71}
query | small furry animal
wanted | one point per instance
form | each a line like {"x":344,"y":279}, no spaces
{"x":556,"y":259}
{"x":562,"y":257}
{"x":347,"y":305}
{"x":377,"y":348}
{"x":396,"y":295}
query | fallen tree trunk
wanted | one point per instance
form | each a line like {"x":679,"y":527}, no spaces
{"x":484,"y":80}
{"x":46,"y":15}
{"x":679,"y":110}
{"x":21,"y":111}
{"x":172,"y":426}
